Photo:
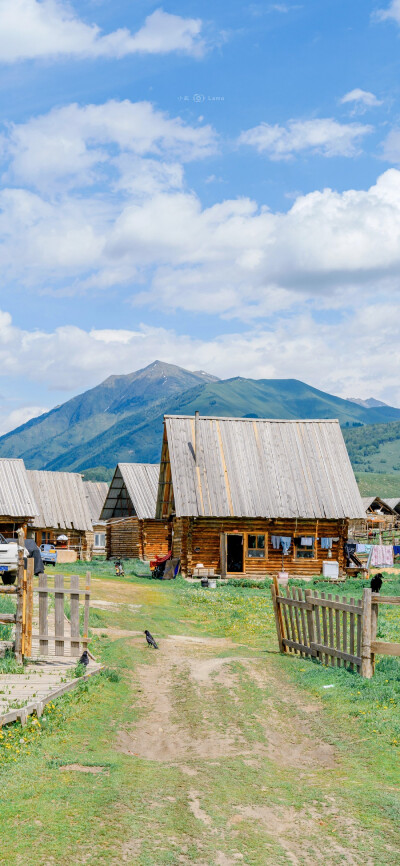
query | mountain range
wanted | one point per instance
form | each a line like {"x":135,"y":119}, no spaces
{"x":121,"y":419}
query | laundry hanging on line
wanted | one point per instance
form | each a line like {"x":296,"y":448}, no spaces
{"x":326,"y":543}
{"x":306,"y":541}
{"x":281,"y":541}
{"x":382,"y":554}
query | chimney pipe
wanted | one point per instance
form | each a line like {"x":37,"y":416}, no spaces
{"x":197,"y":437}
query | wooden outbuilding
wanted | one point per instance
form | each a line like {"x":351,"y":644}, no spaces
{"x":129,"y":509}
{"x":238,"y":491}
{"x":96,"y":494}
{"x":63,"y":510}
{"x":17,"y":501}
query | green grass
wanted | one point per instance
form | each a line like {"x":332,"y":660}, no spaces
{"x":378,"y":484}
{"x":139,"y":811}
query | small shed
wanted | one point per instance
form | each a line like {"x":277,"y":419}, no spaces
{"x":240,"y":492}
{"x":17,"y":501}
{"x":96,"y":493}
{"x":129,"y":509}
{"x":63,"y":510}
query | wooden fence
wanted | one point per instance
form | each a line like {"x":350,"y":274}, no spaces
{"x":70,"y":641}
{"x":337,"y":631}
{"x":66,"y":641}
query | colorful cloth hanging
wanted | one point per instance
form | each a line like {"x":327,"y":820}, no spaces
{"x":382,"y":554}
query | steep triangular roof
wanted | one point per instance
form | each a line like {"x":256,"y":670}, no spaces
{"x":133,"y":491}
{"x":241,"y":467}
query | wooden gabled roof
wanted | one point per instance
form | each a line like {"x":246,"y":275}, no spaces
{"x":133,"y":491}
{"x":61,"y":500}
{"x":241,"y":467}
{"x":16,"y":495}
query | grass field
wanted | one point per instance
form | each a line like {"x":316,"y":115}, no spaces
{"x":213,"y":750}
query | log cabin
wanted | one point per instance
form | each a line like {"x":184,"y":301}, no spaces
{"x":63,"y":510}
{"x":129,"y":509}
{"x":96,"y":493}
{"x":248,"y":496}
{"x":17,"y":501}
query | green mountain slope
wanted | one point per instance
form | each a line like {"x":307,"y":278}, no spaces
{"x":44,"y":441}
{"x":122,"y":418}
{"x":375,"y":448}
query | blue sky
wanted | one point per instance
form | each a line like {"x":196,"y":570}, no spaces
{"x":215,"y":185}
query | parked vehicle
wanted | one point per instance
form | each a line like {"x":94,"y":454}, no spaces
{"x":9,"y":560}
{"x":49,"y":554}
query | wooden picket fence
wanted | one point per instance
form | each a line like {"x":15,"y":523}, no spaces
{"x":56,"y":635}
{"x":339,"y":631}
{"x":67,"y":638}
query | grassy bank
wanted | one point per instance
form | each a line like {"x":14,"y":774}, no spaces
{"x":297,"y":773}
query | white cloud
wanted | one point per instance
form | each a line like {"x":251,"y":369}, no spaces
{"x":360,"y":99}
{"x":31,"y":29}
{"x":335,"y":356}
{"x":19,"y":416}
{"x":139,"y":226}
{"x":391,"y":12}
{"x":76,"y":145}
{"x":324,"y":136}
{"x":391,"y":147}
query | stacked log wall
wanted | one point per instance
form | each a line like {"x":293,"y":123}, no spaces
{"x":123,"y":538}
{"x":132,"y":538}
{"x":198,"y":540}
{"x":154,"y":538}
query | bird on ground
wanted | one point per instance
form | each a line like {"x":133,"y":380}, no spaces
{"x":150,"y":639}
{"x":84,"y":659}
{"x":376,"y":582}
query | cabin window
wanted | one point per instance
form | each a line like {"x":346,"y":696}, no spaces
{"x":256,"y":546}
{"x":100,"y":539}
{"x":304,"y":547}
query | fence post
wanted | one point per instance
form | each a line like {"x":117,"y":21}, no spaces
{"x":278,"y":614}
{"x":43,"y":615}
{"x":20,"y":596}
{"x":74,"y":616}
{"x":374,"y":629}
{"x":310,"y":621}
{"x":366,"y":662}
{"x":59,"y":614}
{"x":86,"y":612}
{"x":30,"y":567}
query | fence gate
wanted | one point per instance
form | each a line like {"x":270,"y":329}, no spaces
{"x":337,"y":631}
{"x":57,"y":634}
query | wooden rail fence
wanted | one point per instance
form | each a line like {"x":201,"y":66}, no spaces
{"x":337,"y":631}
{"x":65,"y":643}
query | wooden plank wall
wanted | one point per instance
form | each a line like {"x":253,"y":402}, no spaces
{"x":137,"y":539}
{"x":198,"y":540}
